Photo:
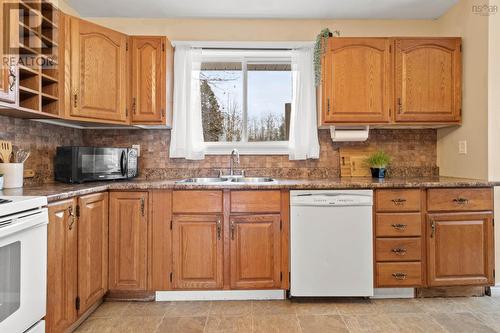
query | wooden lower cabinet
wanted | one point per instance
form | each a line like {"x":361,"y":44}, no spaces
{"x":255,"y":251}
{"x":197,"y":252}
{"x":61,"y":266}
{"x":460,"y":249}
{"x":128,"y":229}
{"x":92,"y":249}
{"x":77,"y":258}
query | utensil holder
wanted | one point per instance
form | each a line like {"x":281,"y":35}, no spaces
{"x":13,"y":174}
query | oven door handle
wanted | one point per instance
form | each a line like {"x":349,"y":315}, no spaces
{"x":123,"y":161}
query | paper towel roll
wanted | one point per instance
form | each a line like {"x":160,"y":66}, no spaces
{"x":343,"y":134}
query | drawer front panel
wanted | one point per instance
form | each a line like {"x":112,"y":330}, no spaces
{"x":399,"y":274}
{"x":197,"y":201}
{"x":398,"y":249}
{"x":398,"y":225}
{"x":398,"y":200}
{"x":460,"y":199}
{"x":255,"y":201}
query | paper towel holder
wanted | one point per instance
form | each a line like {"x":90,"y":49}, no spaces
{"x":349,"y":133}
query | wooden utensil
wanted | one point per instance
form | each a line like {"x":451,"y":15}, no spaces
{"x":5,"y":151}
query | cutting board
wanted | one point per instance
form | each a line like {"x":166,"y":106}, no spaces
{"x":352,"y":162}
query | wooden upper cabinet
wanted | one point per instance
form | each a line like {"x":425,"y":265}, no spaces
{"x":197,"y":251}
{"x":98,"y":73}
{"x":128,"y":240}
{"x":8,"y":76}
{"x":255,"y":251}
{"x":61,"y":266}
{"x":428,"y":81}
{"x":357,"y":81}
{"x":148,"y":79}
{"x":460,"y":249}
{"x":92,"y":249}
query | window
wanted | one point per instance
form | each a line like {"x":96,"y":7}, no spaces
{"x":246,"y":98}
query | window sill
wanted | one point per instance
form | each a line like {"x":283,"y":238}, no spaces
{"x":253,"y":148}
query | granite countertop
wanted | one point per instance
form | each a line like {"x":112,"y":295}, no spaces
{"x":59,"y":191}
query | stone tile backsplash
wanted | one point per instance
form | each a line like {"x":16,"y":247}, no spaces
{"x":413,"y":152}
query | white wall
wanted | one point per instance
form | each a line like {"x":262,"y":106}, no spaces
{"x":473,"y":28}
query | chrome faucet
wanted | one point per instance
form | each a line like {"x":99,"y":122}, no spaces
{"x":235,"y":159}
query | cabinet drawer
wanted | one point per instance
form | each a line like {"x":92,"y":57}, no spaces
{"x":255,"y":201}
{"x":197,"y":202}
{"x":398,"y":249}
{"x":459,"y":199}
{"x":398,"y":225}
{"x":399,"y":274}
{"x":398,"y":200}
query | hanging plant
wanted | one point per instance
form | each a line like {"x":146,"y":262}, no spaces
{"x":319,"y":50}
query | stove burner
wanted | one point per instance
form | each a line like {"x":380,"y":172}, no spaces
{"x":2,"y":201}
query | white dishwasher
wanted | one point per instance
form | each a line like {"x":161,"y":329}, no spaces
{"x":331,"y":243}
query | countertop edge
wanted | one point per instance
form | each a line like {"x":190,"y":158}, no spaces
{"x":60,"y":191}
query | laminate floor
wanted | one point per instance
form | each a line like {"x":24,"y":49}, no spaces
{"x":472,"y":314}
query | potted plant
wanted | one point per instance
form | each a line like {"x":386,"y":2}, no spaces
{"x":378,"y":163}
{"x":320,"y":49}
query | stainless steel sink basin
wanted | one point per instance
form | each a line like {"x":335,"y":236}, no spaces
{"x":253,"y":180}
{"x":203,"y":180}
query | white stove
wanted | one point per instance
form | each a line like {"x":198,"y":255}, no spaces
{"x":16,"y":204}
{"x":23,"y":263}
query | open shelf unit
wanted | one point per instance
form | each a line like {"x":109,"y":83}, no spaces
{"x":39,"y":51}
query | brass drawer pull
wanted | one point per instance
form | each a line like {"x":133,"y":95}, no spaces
{"x":399,"y":275}
{"x":399,"y":251}
{"x":399,"y":226}
{"x":399,"y":201}
{"x":433,"y":228}
{"x":233,"y":227}
{"x":461,"y":201}
{"x":219,"y":229}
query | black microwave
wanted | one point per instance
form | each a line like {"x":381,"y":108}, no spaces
{"x":83,"y":164}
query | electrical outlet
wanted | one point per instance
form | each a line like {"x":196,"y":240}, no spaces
{"x":138,"y":148}
{"x":462,"y":147}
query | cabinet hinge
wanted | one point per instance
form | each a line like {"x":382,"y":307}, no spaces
{"x":390,"y":48}
{"x":289,"y":277}
{"x":171,"y":277}
{"x":460,"y":47}
{"x":281,"y":224}
{"x":77,"y":210}
{"x":126,"y":46}
{"x":77,"y":303}
{"x":171,"y":224}
{"x":163,"y":47}
{"x":493,"y":222}
{"x":126,"y":112}
{"x":281,"y":276}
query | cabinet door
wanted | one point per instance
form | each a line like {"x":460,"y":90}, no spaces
{"x":197,"y":250}
{"x":92,"y":249}
{"x":148,"y":80}
{"x":255,"y":251}
{"x":128,"y":241}
{"x":8,"y":75}
{"x":61,"y":266}
{"x":428,"y":80}
{"x":98,"y":72}
{"x":460,"y":249}
{"x":357,"y":81}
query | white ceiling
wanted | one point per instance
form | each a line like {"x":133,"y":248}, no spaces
{"x":318,"y":9}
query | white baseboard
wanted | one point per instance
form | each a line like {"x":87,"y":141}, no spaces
{"x":495,"y":290}
{"x":220,"y":295}
{"x":383,"y":293}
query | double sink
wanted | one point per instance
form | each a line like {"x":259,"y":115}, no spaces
{"x":230,"y":180}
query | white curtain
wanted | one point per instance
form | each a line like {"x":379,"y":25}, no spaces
{"x":303,"y":142}
{"x":187,"y":132}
